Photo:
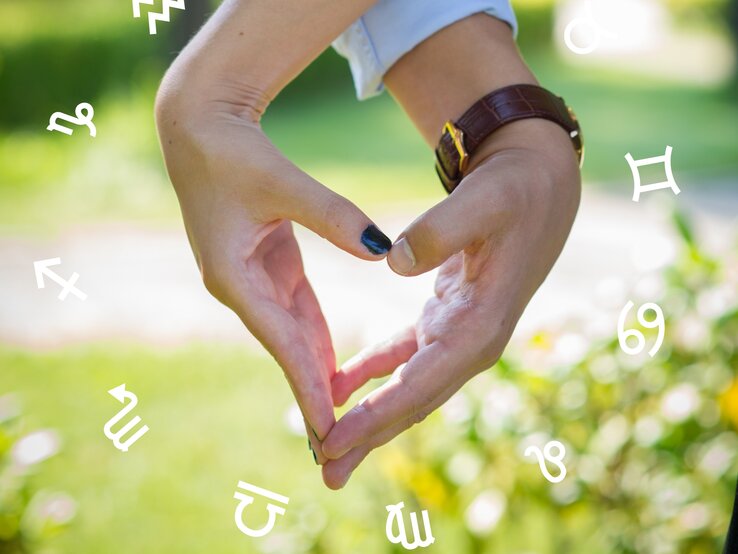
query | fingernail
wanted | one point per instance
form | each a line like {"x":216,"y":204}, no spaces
{"x":315,"y":456}
{"x":375,"y":240}
{"x":402,"y":258}
{"x":315,"y":434}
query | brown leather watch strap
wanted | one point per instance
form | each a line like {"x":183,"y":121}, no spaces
{"x":460,"y":139}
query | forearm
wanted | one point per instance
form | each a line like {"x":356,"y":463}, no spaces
{"x":443,"y":76}
{"x":251,"y":49}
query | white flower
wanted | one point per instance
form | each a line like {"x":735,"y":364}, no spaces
{"x":59,"y":508}
{"x":35,"y":447}
{"x":648,"y":430}
{"x":680,"y":403}
{"x":485,"y":512}
{"x":570,"y":349}
{"x":464,"y":467}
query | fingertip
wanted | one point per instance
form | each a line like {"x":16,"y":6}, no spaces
{"x":333,"y":478}
{"x":401,"y":258}
{"x":333,"y":449}
{"x":376,"y":242}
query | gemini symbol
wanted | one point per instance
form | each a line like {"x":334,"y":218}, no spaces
{"x":670,"y":182}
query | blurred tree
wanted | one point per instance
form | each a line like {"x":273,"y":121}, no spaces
{"x":186,"y":24}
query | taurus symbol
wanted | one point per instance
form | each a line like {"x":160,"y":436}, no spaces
{"x":246,"y":499}
{"x":120,"y":394}
{"x":395,"y":513}
{"x":548,"y":455}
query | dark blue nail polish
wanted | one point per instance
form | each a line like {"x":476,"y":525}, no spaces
{"x":315,"y":456}
{"x":375,"y":240}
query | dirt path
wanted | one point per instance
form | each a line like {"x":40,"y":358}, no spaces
{"x":142,"y":283}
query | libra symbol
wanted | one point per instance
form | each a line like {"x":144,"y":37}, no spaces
{"x":247,"y":499}
{"x":670,"y":183}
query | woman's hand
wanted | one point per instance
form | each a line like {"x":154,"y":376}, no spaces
{"x":497,"y":236}
{"x":239,"y":194}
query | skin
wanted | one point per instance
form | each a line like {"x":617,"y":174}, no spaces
{"x":495,"y":238}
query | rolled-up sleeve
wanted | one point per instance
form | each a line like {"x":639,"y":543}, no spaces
{"x":391,"y":28}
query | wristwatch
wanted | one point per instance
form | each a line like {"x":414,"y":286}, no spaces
{"x":461,"y":138}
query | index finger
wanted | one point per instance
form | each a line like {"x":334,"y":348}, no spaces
{"x":434,"y":371}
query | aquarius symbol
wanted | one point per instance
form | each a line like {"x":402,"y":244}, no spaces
{"x":84,"y":113}
{"x":548,"y":455}
{"x":246,"y":499}
{"x":154,"y":16}
{"x":395,"y":513}
{"x":635,"y":164}
{"x":597,"y":32}
{"x":656,"y":322}
{"x":120,"y":394}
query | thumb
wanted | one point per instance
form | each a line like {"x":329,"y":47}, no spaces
{"x":334,"y":218}
{"x":461,"y":219}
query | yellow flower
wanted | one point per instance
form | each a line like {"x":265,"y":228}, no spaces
{"x":729,"y":403}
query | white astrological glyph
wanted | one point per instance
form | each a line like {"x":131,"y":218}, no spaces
{"x":121,"y":395}
{"x":595,"y":31}
{"x":84,"y":113}
{"x":395,"y":515}
{"x":638,"y":188}
{"x":272,"y":509}
{"x":656,"y":323}
{"x":42,"y":270}
{"x":547,"y":455}
{"x":166,"y":6}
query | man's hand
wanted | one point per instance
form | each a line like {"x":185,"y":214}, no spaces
{"x":495,"y":237}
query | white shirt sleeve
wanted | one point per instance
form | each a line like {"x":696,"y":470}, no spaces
{"x":391,"y":28}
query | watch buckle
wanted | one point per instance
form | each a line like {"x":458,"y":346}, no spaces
{"x":457,"y":136}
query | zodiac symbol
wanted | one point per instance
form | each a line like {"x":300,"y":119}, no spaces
{"x":42,"y":270}
{"x":635,"y":164}
{"x":548,"y":455}
{"x":84,"y":113}
{"x":656,"y":322}
{"x":271,"y":508}
{"x":154,"y":16}
{"x":597,"y":32}
{"x":395,"y":513}
{"x":120,"y":394}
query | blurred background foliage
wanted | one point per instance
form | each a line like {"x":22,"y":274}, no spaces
{"x":652,"y":449}
{"x":651,"y":443}
{"x":54,"y":55}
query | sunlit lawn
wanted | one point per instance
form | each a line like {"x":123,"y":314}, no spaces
{"x":217,"y":416}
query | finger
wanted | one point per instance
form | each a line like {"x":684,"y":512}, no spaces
{"x":314,"y":443}
{"x":376,"y":361}
{"x":312,"y":316}
{"x":333,"y":217}
{"x":284,"y":338}
{"x":425,"y":377}
{"x":465,"y":217}
{"x":336,"y":473}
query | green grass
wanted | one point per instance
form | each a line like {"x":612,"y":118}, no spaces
{"x":216,"y":416}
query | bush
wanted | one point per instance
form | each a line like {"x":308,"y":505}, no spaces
{"x":651,"y":448}
{"x":27,"y":517}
